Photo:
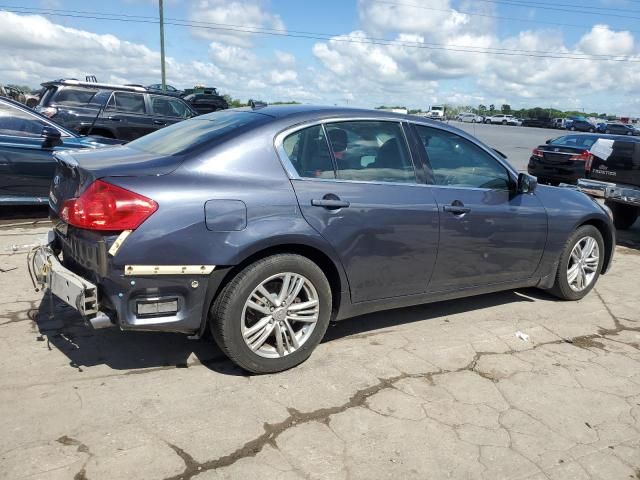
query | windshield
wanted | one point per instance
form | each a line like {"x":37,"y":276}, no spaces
{"x":190,"y":134}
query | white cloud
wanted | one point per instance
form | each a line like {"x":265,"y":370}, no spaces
{"x":36,"y":49}
{"x":237,"y":14}
{"x":603,"y":41}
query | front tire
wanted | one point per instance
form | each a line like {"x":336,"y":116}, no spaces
{"x":580,"y":264}
{"x":624,"y":216}
{"x":272,"y":314}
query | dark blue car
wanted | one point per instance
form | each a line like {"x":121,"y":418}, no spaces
{"x":27,"y":142}
{"x":265,"y":224}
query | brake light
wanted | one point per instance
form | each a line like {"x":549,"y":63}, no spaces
{"x":104,"y":206}
{"x":583,"y":157}
{"x":537,"y":152}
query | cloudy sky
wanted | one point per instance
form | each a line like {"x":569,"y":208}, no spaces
{"x":565,"y":53}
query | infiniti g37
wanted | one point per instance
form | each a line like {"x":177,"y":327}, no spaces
{"x":264,"y":224}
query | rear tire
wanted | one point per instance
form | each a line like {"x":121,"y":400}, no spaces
{"x":232,"y":317}
{"x":624,"y":216}
{"x":580,"y":264}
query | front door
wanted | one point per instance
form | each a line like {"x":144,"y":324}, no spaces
{"x":488,"y":234}
{"x":362,"y":196}
{"x":26,"y":164}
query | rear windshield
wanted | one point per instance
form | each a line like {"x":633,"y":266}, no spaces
{"x":575,"y":141}
{"x":190,"y":134}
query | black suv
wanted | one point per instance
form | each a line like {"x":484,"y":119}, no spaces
{"x":124,"y":112}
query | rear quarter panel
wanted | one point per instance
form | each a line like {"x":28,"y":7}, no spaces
{"x":241,"y":172}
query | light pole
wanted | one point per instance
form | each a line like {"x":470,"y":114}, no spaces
{"x":164,"y":78}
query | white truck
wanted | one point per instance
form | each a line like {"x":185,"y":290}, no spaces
{"x":436,"y":112}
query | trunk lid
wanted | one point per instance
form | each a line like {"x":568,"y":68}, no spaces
{"x":559,"y":154}
{"x":621,"y":166}
{"x":77,"y":169}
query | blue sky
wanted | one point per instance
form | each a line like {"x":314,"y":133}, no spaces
{"x":335,"y":71}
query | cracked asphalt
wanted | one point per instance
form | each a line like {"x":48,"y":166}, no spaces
{"x":432,"y":392}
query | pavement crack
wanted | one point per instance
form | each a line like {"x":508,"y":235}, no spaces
{"x":273,"y":430}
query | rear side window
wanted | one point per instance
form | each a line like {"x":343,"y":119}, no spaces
{"x":74,"y":96}
{"x":371,"y":151}
{"x":185,"y":136}
{"x":127,"y":102}
{"x":169,"y":107}
{"x":309,"y":154}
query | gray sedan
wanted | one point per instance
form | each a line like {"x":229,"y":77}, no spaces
{"x":265,"y":224}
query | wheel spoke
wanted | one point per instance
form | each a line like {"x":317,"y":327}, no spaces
{"x":259,"y":308}
{"x":299,"y":307}
{"x":294,"y":291}
{"x":279,"y":343}
{"x":284,"y":289}
{"x":259,"y":325}
{"x":261,"y":338}
{"x":589,"y":245}
{"x":292,"y":334}
{"x":581,"y":279}
{"x":572,"y":274}
{"x":265,"y":293}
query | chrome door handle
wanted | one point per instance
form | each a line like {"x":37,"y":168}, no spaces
{"x":330,"y":204}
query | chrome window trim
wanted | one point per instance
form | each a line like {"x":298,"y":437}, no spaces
{"x":293,"y":174}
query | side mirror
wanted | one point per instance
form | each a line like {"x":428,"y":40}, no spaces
{"x":548,"y":141}
{"x":51,"y":137}
{"x":526,"y":183}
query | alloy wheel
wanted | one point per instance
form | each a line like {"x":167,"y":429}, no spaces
{"x":583,"y":264}
{"x":280,"y":315}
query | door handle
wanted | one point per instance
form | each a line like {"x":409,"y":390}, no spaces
{"x":456,"y":209}
{"x":114,"y":119}
{"x":159,"y":122}
{"x":330,"y":203}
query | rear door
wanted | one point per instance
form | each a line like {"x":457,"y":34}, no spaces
{"x":26,"y":164}
{"x":488,"y":234}
{"x":363,"y":196}
{"x":126,"y":114}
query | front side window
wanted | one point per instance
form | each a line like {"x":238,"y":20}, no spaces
{"x":457,"y":162}
{"x":370,"y":151}
{"x":169,"y":107}
{"x":309,"y":154}
{"x":127,"y":102}
{"x":14,"y":121}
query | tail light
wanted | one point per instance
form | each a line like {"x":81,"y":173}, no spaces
{"x":583,"y":157}
{"x":537,"y":152}
{"x":104,"y":206}
{"x":588,"y":163}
